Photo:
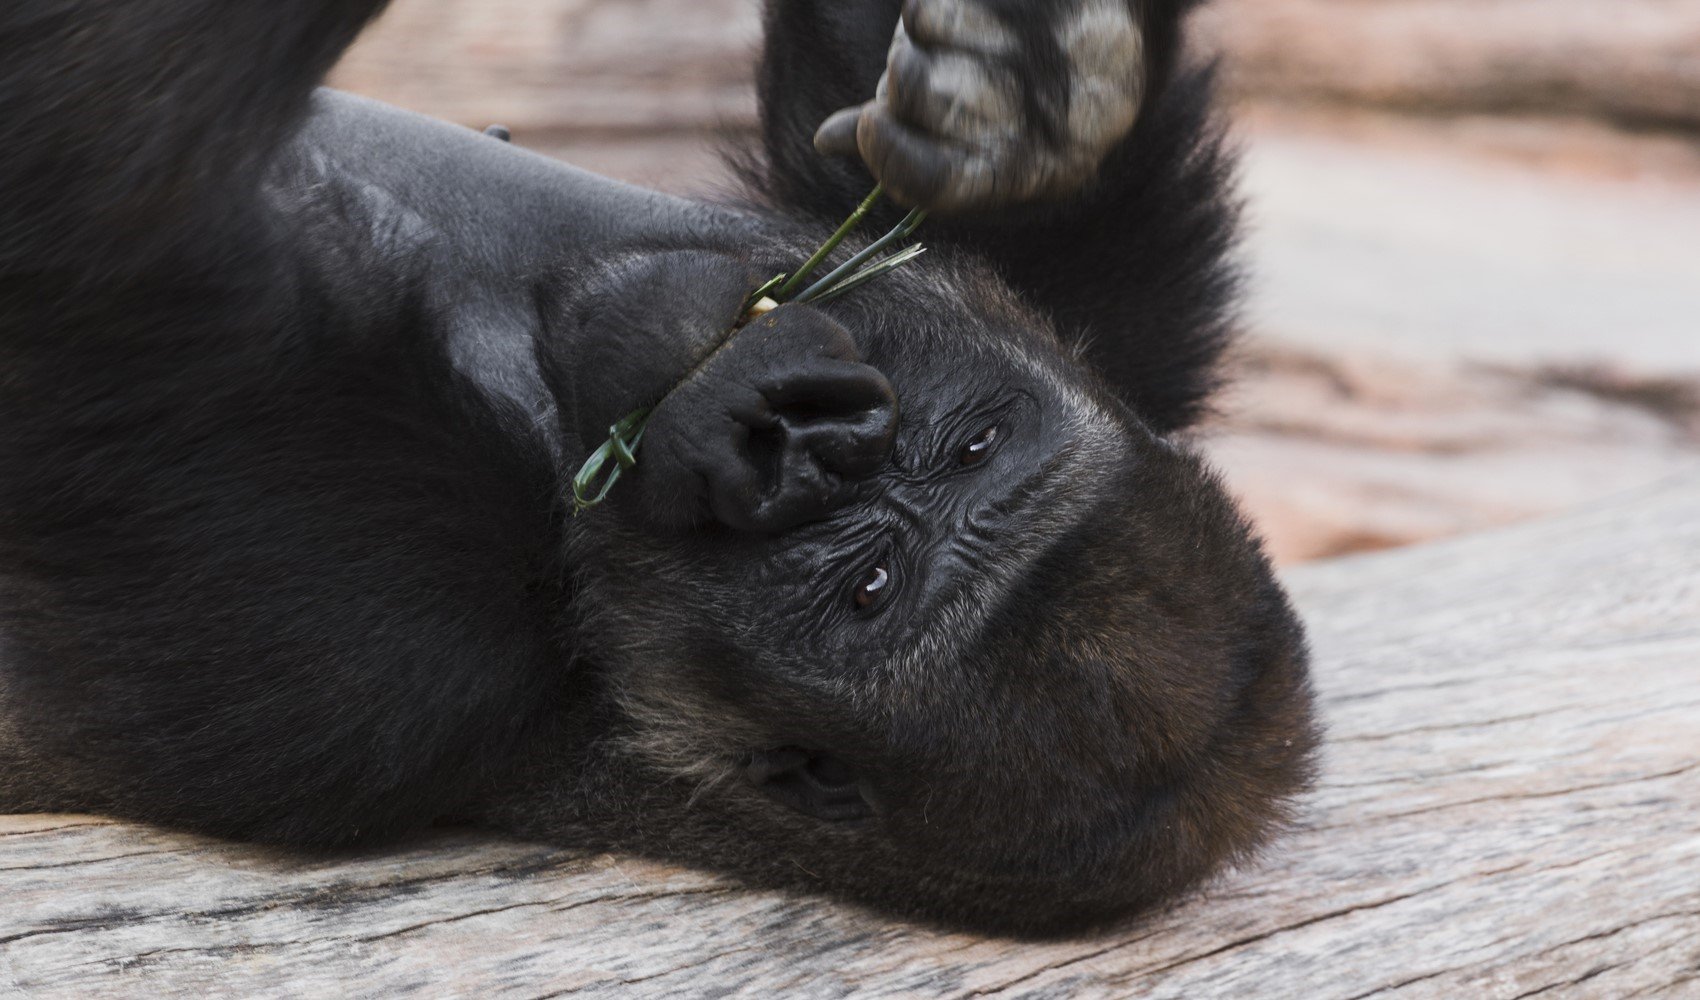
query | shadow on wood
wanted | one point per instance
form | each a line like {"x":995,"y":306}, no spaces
{"x":1510,"y":804}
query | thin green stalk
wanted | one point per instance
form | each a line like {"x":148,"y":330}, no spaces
{"x":751,"y":299}
{"x":831,"y":244}
{"x":902,"y":230}
{"x":621,"y":446}
{"x":882,"y":266}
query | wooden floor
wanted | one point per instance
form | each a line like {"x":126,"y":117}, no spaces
{"x":1510,"y":806}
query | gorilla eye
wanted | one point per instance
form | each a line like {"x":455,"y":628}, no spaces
{"x":975,"y":451}
{"x":871,"y":587}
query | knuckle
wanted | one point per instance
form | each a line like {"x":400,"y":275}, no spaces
{"x":961,"y":24}
{"x":908,"y":75}
{"x":954,"y":96}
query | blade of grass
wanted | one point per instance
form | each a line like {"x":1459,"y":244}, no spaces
{"x":900,"y":231}
{"x":625,"y":436}
{"x":831,"y":244}
{"x":765,"y":289}
{"x":882,"y":266}
{"x":623,"y":439}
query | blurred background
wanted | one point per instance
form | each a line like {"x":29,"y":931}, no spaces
{"x":1474,"y":225}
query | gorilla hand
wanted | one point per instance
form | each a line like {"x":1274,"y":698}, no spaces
{"x":986,"y":103}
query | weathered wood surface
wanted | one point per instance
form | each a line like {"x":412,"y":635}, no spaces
{"x":1630,"y":61}
{"x":625,"y":65}
{"x":1339,"y":451}
{"x":1510,"y":806}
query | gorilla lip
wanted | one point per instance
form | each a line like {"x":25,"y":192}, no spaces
{"x":626,"y":434}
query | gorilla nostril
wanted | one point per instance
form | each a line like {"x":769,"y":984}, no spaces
{"x":765,"y":451}
{"x":855,"y":445}
{"x":816,"y":784}
{"x":807,"y":411}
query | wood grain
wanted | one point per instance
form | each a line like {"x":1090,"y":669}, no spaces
{"x":1634,"y":62}
{"x":1510,"y":807}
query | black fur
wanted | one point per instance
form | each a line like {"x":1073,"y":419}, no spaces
{"x":290,"y":388}
{"x":1138,"y":267}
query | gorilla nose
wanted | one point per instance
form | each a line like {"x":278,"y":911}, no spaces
{"x":778,"y":428}
{"x":818,"y":429}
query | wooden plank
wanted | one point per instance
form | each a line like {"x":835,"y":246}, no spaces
{"x":1510,"y":805}
{"x":583,"y":72}
{"x":1634,"y":62}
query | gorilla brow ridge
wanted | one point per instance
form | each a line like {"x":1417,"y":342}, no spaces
{"x":1050,"y":511}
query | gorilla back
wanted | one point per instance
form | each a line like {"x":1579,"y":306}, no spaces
{"x":914,"y":596}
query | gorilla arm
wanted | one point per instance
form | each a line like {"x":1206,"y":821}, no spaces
{"x":140,"y":128}
{"x":1059,"y":140}
{"x":268,"y":566}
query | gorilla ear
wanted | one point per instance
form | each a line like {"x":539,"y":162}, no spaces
{"x":812,"y":783}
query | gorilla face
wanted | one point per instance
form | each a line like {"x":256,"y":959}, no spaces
{"x":899,"y":596}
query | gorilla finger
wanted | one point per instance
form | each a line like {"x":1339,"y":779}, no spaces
{"x":952,"y":95}
{"x":957,"y":24}
{"x":911,"y":167}
{"x":837,"y":135}
{"x":920,"y":172}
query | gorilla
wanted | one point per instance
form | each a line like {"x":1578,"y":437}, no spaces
{"x":919,"y":597}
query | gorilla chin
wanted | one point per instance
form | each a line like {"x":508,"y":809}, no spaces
{"x":985,"y":650}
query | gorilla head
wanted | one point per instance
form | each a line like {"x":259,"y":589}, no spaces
{"x":900,"y":596}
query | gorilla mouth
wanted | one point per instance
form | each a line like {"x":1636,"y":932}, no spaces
{"x":812,"y":783}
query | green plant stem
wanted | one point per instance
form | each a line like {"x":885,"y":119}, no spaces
{"x":900,"y":231}
{"x":831,"y":244}
{"x":621,"y":446}
{"x":882,"y":266}
{"x":751,"y":299}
